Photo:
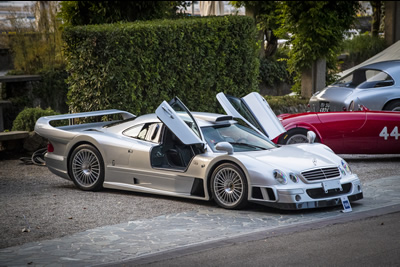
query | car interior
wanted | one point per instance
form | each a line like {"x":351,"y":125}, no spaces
{"x":172,"y":153}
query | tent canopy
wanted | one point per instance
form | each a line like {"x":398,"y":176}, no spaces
{"x":390,"y":53}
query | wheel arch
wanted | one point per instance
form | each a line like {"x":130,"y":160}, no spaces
{"x":306,"y":126}
{"x":74,"y":146}
{"x":390,"y":101}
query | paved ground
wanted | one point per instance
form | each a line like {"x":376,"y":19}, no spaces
{"x":72,"y":227}
{"x":140,"y":239}
{"x":373,"y":241}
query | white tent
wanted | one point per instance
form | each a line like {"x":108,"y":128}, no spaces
{"x":390,"y":53}
{"x":209,"y":8}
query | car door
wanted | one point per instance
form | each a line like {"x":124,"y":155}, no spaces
{"x":177,"y":117}
{"x":385,"y":126}
{"x":254,"y":110}
{"x":346,"y":132}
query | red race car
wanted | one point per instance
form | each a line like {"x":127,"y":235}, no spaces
{"x":346,"y":132}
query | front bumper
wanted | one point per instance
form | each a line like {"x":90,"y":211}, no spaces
{"x":312,"y":204}
{"x":310,"y":196}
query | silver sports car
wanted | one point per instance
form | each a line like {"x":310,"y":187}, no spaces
{"x":376,"y":86}
{"x":198,"y":155}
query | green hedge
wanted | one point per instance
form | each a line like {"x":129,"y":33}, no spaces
{"x":27,"y":118}
{"x":134,"y":66}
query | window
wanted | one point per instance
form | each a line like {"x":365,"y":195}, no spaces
{"x":366,"y":78}
{"x":148,"y":132}
{"x":242,"y":138}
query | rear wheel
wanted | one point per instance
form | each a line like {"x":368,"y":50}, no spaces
{"x":393,"y":106}
{"x":86,"y":168}
{"x":229,"y":186}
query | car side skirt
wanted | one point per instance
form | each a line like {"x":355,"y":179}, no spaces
{"x":135,"y":188}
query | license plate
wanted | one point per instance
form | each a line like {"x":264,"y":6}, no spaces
{"x":334,"y":184}
{"x":324,"y":107}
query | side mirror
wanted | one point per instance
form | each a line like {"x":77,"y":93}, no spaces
{"x":224,"y":146}
{"x":311,"y":137}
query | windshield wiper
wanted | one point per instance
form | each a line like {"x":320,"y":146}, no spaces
{"x":249,"y":145}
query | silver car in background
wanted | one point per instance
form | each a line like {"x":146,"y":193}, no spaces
{"x":376,"y":86}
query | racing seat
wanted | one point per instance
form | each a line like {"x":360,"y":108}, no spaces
{"x":180,"y":154}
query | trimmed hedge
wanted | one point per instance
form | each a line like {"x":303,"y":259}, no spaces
{"x":27,"y":118}
{"x":134,"y":66}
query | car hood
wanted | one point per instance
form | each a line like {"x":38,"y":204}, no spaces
{"x":297,"y":157}
{"x":334,"y":93}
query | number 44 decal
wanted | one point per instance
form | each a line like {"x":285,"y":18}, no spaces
{"x":394,"y":133}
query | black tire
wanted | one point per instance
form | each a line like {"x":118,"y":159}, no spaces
{"x":295,"y":136}
{"x":229,"y":186}
{"x":86,"y":168}
{"x":393,"y":106}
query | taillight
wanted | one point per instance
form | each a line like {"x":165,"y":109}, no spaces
{"x":50,"y":147}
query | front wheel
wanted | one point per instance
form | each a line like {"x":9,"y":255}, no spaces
{"x":229,"y":186}
{"x":294,"y":136}
{"x":86,"y":168}
{"x":393,"y":106}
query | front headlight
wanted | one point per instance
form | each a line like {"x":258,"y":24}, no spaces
{"x":280,"y":176}
{"x":351,"y":106}
{"x":294,"y":177}
{"x":346,"y":167}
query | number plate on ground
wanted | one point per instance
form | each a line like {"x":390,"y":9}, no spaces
{"x":324,"y":107}
{"x":335,"y":184}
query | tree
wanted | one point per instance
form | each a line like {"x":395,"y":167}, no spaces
{"x":317,"y":28}
{"x":98,"y":12}
{"x":376,"y":17}
{"x":266,"y":15}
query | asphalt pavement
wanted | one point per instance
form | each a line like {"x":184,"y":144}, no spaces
{"x":168,"y":237}
{"x":373,"y":241}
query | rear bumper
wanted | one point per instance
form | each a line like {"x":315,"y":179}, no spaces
{"x":57,"y":165}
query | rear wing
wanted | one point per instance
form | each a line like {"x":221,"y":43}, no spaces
{"x":45,"y":129}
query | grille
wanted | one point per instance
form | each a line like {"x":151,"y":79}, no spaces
{"x":321,"y":174}
{"x":320,"y":193}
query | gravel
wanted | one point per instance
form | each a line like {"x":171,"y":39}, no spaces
{"x":38,"y":205}
{"x":35,"y":200}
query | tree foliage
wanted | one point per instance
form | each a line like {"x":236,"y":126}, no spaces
{"x":317,"y":28}
{"x":97,"y":12}
{"x":267,"y":16}
{"x":36,"y":47}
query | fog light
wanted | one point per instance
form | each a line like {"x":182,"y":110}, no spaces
{"x":297,"y":197}
{"x":359,"y":188}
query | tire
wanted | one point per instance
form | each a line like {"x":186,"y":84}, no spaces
{"x":393,"y":106}
{"x":294,"y":136}
{"x":229,"y":186}
{"x":86,"y":168}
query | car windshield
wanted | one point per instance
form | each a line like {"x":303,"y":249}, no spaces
{"x":240,"y":137}
{"x":365,"y":78}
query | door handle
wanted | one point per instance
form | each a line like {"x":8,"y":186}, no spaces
{"x":168,"y":112}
